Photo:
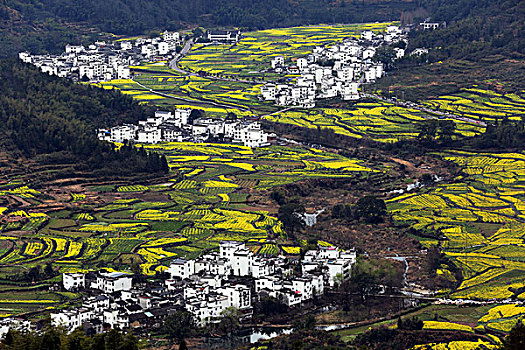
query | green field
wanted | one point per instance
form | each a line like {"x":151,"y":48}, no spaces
{"x":481,"y":218}
{"x":255,"y":50}
{"x":202,"y":202}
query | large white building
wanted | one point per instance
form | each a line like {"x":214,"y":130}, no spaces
{"x":73,"y":281}
{"x":110,"y":282}
{"x":223,"y":35}
{"x":182,"y":268}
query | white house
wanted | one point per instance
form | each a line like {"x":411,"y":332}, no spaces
{"x":223,"y":35}
{"x":110,"y":282}
{"x":182,"y":268}
{"x":149,"y":136}
{"x":71,"y":319}
{"x":72,"y":281}
{"x":171,"y":36}
{"x":302,"y":63}
{"x":74,"y":48}
{"x":208,"y":309}
{"x":269,"y":91}
{"x":367,"y":35}
{"x":369,"y":52}
{"x":126,"y":45}
{"x":277,"y":61}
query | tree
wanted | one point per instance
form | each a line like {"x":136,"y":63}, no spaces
{"x":183,"y":345}
{"x":164,"y":167}
{"x":48,"y":270}
{"x":231,"y":116}
{"x":113,"y":339}
{"x":230,"y":319}
{"x":341,"y":211}
{"x":304,"y":323}
{"x":385,"y":54}
{"x":278,"y":196}
{"x":291,"y":215}
{"x":368,"y":275}
{"x":179,"y":325}
{"x":363,"y":278}
{"x":427,"y":129}
{"x":371,"y":209}
{"x":269,"y":306}
{"x":410,"y":324}
{"x":447,"y":128}
{"x":51,"y":340}
{"x":338,"y":279}
{"x":77,"y":340}
{"x":195,"y":114}
{"x":516,"y":338}
{"x":198,"y":32}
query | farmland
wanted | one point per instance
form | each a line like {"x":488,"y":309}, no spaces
{"x":206,"y":198}
{"x":217,"y":192}
{"x":244,"y":67}
{"x":378,"y":120}
{"x":480,"y":220}
{"x":481,"y":104}
{"x":253,"y":53}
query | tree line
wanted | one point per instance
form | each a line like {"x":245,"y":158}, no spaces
{"x":52,"y":338}
{"x":54,"y":120}
{"x":475,"y":29}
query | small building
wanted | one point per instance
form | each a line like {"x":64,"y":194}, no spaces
{"x":73,"y":281}
{"x":110,"y":282}
{"x":181,"y":268}
{"x":171,"y":36}
{"x":223,"y":35}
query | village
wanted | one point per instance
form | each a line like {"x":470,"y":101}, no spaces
{"x":104,"y":61}
{"x":206,"y":287}
{"x":334,"y":70}
{"x":180,"y":126}
{"x":108,"y":60}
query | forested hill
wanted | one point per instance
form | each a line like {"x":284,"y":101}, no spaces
{"x":476,"y":29}
{"x":482,"y":44}
{"x":55,"y":120}
{"x":46,"y":25}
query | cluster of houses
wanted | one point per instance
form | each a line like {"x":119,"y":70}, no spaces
{"x":206,"y":287}
{"x":331,"y":71}
{"x":166,"y":126}
{"x":103,"y":61}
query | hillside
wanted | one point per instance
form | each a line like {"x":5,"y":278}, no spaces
{"x":484,"y":42}
{"x":55,"y":120}
{"x":47,"y":25}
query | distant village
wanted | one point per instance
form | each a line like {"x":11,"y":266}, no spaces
{"x":233,"y":277}
{"x":166,"y":126}
{"x":104,"y":61}
{"x":334,"y":70}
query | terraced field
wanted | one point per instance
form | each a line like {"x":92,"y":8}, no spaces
{"x":255,"y":50}
{"x":380,"y":121}
{"x":481,"y":217}
{"x":250,"y":58}
{"x":481,"y":104}
{"x":202,"y":202}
